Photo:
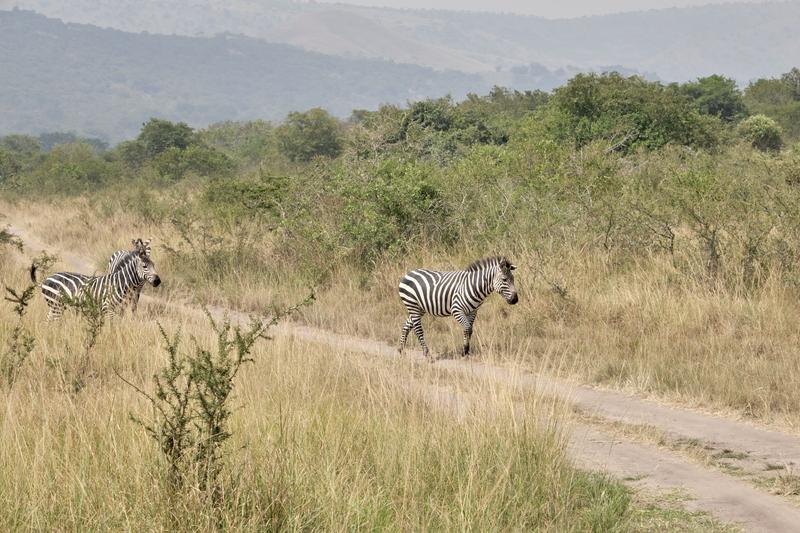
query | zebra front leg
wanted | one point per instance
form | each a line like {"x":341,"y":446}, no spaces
{"x":417,"y":325}
{"x":134,"y":302}
{"x":467,"y":336}
{"x":466,"y":322}
{"x":404,"y":334}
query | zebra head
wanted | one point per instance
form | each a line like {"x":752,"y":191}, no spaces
{"x":145,"y":267}
{"x":141,"y":246}
{"x":504,"y":281}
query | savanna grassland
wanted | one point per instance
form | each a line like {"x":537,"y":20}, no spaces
{"x":316,"y":438}
{"x":656,"y":231}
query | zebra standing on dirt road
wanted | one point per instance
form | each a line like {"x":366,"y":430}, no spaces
{"x":109,"y":291}
{"x":458,"y":294}
{"x":118,"y":257}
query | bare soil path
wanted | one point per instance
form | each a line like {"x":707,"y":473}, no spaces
{"x":728,"y":498}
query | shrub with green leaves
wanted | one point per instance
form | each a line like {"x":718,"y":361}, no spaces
{"x":761,"y":132}
{"x":192,"y":402}
{"x":313,"y":133}
{"x":626,"y":113}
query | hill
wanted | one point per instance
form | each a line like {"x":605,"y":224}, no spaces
{"x":742,"y":41}
{"x":105,"y":83}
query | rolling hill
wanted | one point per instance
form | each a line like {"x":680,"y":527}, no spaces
{"x":105,"y":83}
{"x":742,"y":41}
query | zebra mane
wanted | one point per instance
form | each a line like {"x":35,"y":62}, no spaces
{"x":480,"y":264}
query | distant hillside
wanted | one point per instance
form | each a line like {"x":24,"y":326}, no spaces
{"x":105,"y":83}
{"x":742,"y":41}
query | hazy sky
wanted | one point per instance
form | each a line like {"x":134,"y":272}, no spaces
{"x":543,"y":8}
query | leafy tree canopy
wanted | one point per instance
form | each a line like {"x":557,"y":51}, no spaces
{"x":309,"y":134}
{"x":159,"y":135}
{"x":716,"y":95}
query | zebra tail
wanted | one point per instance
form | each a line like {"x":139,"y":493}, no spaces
{"x":33,"y":273}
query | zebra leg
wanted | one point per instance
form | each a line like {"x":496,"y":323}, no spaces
{"x":54,"y":311}
{"x":466,"y":322}
{"x":417,"y":325}
{"x":404,"y":334}
{"x":134,"y":302}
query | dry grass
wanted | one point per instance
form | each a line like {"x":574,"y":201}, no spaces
{"x":323,"y":439}
{"x":645,"y":326}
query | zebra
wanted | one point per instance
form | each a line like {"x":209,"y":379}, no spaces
{"x":458,"y":294}
{"x":117,"y":259}
{"x":109,"y":290}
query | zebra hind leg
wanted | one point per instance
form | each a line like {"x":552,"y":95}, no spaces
{"x":54,"y":311}
{"x":417,"y":325}
{"x":404,"y":334}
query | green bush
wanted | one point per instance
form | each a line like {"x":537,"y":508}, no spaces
{"x":158,"y":135}
{"x":716,"y":95}
{"x":71,"y":169}
{"x":314,"y":133}
{"x":626,"y":113}
{"x":761,"y":132}
{"x":393,"y":205}
{"x":244,"y":198}
{"x":9,"y":165}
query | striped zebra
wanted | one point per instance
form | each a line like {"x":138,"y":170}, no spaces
{"x":109,"y":290}
{"x":118,"y":257}
{"x":458,"y":294}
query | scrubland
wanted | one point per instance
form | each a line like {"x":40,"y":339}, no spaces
{"x":656,"y":237}
{"x":321,"y":439}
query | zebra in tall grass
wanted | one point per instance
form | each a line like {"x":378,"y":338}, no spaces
{"x":458,"y":294}
{"x":118,"y":257}
{"x":109,"y":291}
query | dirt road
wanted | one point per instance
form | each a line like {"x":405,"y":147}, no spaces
{"x":728,"y":498}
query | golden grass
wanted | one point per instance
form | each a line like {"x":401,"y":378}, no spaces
{"x":645,"y":326}
{"x":323,"y":440}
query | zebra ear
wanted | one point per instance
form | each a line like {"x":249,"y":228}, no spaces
{"x":512,"y":267}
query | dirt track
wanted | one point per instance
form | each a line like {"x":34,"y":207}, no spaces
{"x":728,"y":498}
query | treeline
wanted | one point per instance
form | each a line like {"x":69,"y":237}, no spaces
{"x":625,"y":163}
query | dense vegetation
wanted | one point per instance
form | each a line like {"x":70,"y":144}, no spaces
{"x":688,"y":189}
{"x":657,"y":232}
{"x":604,"y":153}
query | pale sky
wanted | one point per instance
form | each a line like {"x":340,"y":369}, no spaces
{"x":542,"y":8}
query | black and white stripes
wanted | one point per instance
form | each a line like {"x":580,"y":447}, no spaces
{"x":109,"y":291}
{"x":117,"y":259}
{"x":458,"y":294}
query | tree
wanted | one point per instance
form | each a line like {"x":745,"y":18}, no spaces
{"x":51,"y":139}
{"x":792,"y":80}
{"x":761,"y":132}
{"x":716,"y":95}
{"x":307,"y":135}
{"x":778,"y":99}
{"x":159,"y":135}
{"x":23,"y":145}
{"x":625,"y":112}
{"x":9,"y":166}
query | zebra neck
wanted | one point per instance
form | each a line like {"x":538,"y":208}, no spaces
{"x":479,"y":288}
{"x":126,"y":277}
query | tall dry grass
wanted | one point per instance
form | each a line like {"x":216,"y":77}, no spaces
{"x":323,"y":440}
{"x":653,"y":325}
